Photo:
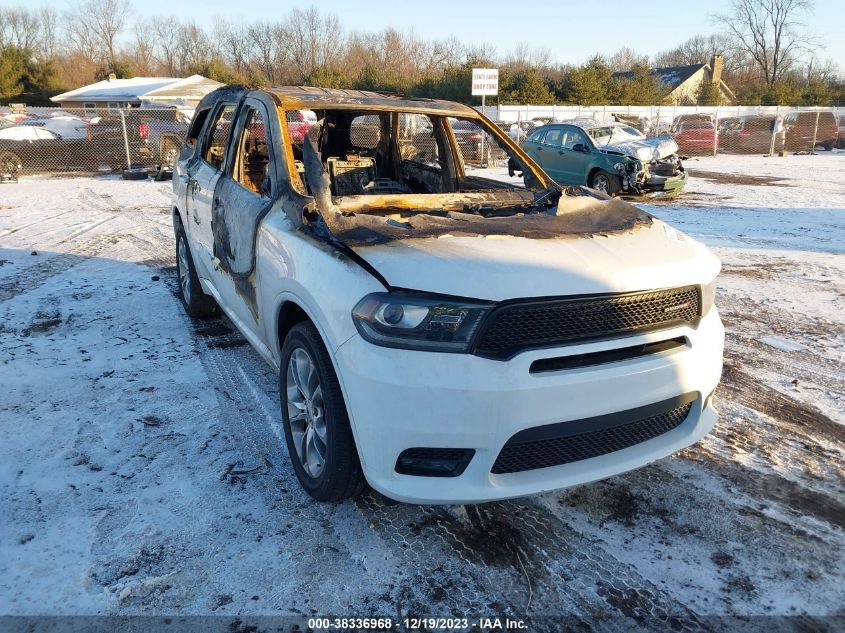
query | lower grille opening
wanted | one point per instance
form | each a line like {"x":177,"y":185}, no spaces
{"x":567,"y":442}
{"x":434,"y":462}
{"x":575,"y":361}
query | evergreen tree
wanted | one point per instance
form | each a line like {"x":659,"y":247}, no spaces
{"x":525,"y":87}
{"x":26,"y":79}
{"x":13,"y":65}
{"x":591,"y":83}
{"x":708,"y":94}
{"x":641,"y":88}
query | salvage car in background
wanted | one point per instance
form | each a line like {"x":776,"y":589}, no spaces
{"x":696,"y":138}
{"x":751,"y":134}
{"x":441,"y":335}
{"x":33,"y":146}
{"x":612,"y":158}
{"x":808,"y":130}
{"x":158,"y":134}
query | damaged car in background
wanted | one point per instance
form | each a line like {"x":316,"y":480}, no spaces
{"x":441,"y":334}
{"x":613,"y":158}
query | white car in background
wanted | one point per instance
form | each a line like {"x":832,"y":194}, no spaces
{"x":442,"y":336}
{"x":66,"y":127}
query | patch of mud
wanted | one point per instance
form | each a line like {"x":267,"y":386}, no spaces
{"x":756,"y":395}
{"x":219,"y":333}
{"x":738,"y":179}
{"x":43,"y":322}
{"x":765,"y":270}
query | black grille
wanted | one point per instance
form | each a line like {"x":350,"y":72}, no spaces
{"x":558,"y":444}
{"x":515,"y":327}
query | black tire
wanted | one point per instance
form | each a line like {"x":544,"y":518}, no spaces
{"x":135,"y":173}
{"x":828,"y":146}
{"x":197,"y":304}
{"x":10,"y":164}
{"x":606,"y":182}
{"x":340,"y":476}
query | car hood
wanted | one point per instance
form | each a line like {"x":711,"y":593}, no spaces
{"x":501,"y":267}
{"x":644,"y":150}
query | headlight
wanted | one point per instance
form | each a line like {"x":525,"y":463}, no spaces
{"x":411,"y":321}
{"x":708,"y":297}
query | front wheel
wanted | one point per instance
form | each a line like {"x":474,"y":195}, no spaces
{"x":606,"y":182}
{"x":195,"y":301}
{"x":317,"y":430}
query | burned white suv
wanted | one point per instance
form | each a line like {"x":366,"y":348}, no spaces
{"x":443,"y":331}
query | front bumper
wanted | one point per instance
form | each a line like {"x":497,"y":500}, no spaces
{"x":400,"y":399}
{"x":673,"y":184}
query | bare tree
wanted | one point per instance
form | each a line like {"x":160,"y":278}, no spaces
{"x":141,"y":52}
{"x":193,"y":48}
{"x":444,"y":54}
{"x":268,"y":54}
{"x":524,"y":56}
{"x":699,"y":49}
{"x":19,"y":27}
{"x":95,"y":25}
{"x":770,"y":32}
{"x":625,"y":59}
{"x":312,"y":40}
{"x":166,"y":33}
{"x":233,"y":42}
{"x":484,"y":53}
{"x":49,"y":40}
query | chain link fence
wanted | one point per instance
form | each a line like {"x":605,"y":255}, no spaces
{"x":43,"y":140}
{"x":699,"y":130}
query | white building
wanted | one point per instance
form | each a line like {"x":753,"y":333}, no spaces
{"x":113,"y":94}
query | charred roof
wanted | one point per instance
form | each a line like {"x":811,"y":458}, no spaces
{"x":311,"y":98}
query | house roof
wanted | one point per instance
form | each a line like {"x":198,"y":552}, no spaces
{"x":138,"y":88}
{"x":672,"y":76}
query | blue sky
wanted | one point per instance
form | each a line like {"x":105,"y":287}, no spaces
{"x":572,"y":30}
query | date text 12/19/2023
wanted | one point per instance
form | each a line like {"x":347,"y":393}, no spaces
{"x":416,"y":624}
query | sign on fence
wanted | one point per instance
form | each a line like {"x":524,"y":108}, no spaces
{"x":485,"y":82}
{"x":17,"y":108}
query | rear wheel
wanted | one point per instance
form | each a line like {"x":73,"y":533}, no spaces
{"x":317,"y":431}
{"x":606,"y":182}
{"x":196,"y":302}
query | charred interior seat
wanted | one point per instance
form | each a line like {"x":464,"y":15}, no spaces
{"x":256,"y":159}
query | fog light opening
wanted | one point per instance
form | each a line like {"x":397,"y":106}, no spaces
{"x":434,"y":462}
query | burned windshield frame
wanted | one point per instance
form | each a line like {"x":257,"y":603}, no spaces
{"x":388,"y":157}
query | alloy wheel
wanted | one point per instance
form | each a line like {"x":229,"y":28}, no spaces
{"x":184,"y":270}
{"x":600,"y":183}
{"x":306,"y":412}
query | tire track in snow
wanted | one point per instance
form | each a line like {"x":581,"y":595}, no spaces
{"x":37,"y":275}
{"x":513,"y":557}
{"x":458,"y":549}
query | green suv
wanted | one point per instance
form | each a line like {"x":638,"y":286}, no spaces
{"x":611,"y":158}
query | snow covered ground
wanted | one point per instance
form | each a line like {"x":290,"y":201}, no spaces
{"x":142,"y":469}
